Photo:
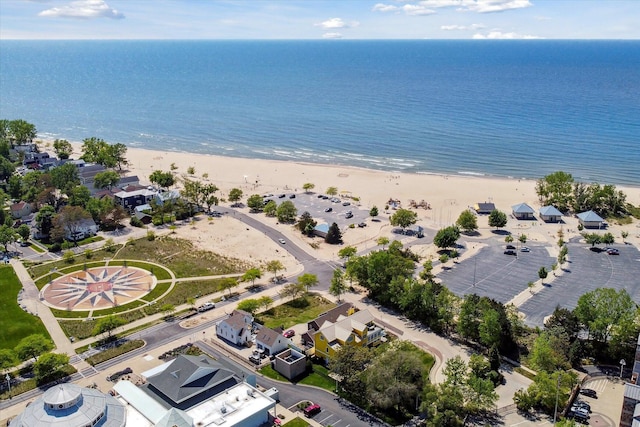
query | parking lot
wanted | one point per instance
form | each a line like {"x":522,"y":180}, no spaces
{"x":586,"y":271}
{"x":317,"y":206}
{"x":493,"y":274}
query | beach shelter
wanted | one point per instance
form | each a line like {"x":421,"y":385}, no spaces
{"x":590,"y":219}
{"x":550,"y":214}
{"x":522,"y":211}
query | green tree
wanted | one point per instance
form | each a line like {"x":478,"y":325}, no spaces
{"x":6,"y":169}
{"x":592,"y":238}
{"x":274,"y":266}
{"x":334,"y":236}
{"x":191,"y":170}
{"x":307,"y":187}
{"x":332,"y":191}
{"x":403,"y":218}
{"x":168,"y":309}
{"x":523,"y":238}
{"x":444,"y":406}
{"x":24,"y":232}
{"x":306,"y":224}
{"x":446,"y":237}
{"x":546,"y":353}
{"x":348,"y":364}
{"x":251,"y":275}
{"x":490,"y":329}
{"x":162,"y":179}
{"x":32,"y":346}
{"x":235,"y":195}
{"x":249,"y":305}
{"x":106,"y":179}
{"x":497,"y":219}
{"x":543,"y":273}
{"x":44,"y":219}
{"x":265,"y":302}
{"x":293,"y":290}
{"x":608,"y":239}
{"x":606,"y":313}
{"x":373,"y":212}
{"x":65,"y":177}
{"x":382,"y":241}
{"x":14,"y":187}
{"x":467,"y":221}
{"x":69,"y":221}
{"x":347,"y":252}
{"x":624,"y":235}
{"x":7,"y":359}
{"x":108,"y":324}
{"x":455,"y":371}
{"x":556,"y":189}
{"x":565,"y":320}
{"x":308,"y":280}
{"x":508,"y":238}
{"x":79,"y":196}
{"x":21,"y":132}
{"x":48,"y":365}
{"x":286,"y":212}
{"x":271,"y":208}
{"x":7,"y":236}
{"x":62,"y":148}
{"x":338,"y":285}
{"x":255,"y":203}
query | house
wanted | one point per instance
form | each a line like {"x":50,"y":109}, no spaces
{"x":343,"y":310}
{"x":550,"y":214}
{"x":236,"y":328}
{"x":357,"y":329}
{"x":132,"y":196}
{"x":195,"y":391}
{"x":290,"y":363}
{"x":33,"y":160}
{"x":522,"y":211}
{"x":630,"y":416}
{"x":87,"y":174}
{"x":81,"y":229}
{"x":128,"y":180}
{"x":484,"y":208}
{"x":590,"y":219}
{"x":167,"y":196}
{"x":272,"y":342}
{"x":21,"y":210}
{"x":140,"y":212}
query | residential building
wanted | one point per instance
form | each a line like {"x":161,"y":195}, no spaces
{"x":630,"y":416}
{"x":272,"y":342}
{"x":87,"y":174}
{"x":21,"y":210}
{"x":522,"y":211}
{"x":590,"y":219}
{"x":69,"y":405}
{"x":357,"y":329}
{"x":550,"y":214}
{"x":132,"y":196}
{"x":81,"y":229}
{"x":236,"y":328}
{"x":343,"y":310}
{"x":290,"y":363}
{"x":166,"y":196}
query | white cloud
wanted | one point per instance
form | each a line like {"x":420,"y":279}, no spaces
{"x":417,"y":10}
{"x":332,"y":36}
{"x":333,"y":23}
{"x":489,"y":6}
{"x":83,"y":9}
{"x":381,"y":7}
{"x":472,"y":27}
{"x":499,"y":35}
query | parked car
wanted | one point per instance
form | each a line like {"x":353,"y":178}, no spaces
{"x":346,"y":203}
{"x":613,"y":251}
{"x":589,"y":392}
{"x":320,"y":196}
{"x":206,"y":306}
{"x":290,"y":333}
{"x":282,"y":196}
{"x":328,"y":209}
{"x":362,"y":224}
{"x":292,"y":196}
{"x":510,"y":247}
{"x":325,"y":197}
{"x":254,"y":358}
{"x":525,"y":249}
{"x":582,"y":404}
{"x":311,"y":410}
{"x":510,"y":252}
{"x":348,"y":215}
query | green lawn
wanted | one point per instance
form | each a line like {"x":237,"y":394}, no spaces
{"x":301,"y":310}
{"x":297,"y":422}
{"x":320,"y":378}
{"x":15,"y":323}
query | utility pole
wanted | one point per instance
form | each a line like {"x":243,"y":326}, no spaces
{"x":555,"y":412}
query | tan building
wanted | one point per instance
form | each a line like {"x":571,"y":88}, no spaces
{"x":630,"y":416}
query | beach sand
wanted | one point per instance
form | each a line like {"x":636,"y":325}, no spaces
{"x":447,"y":195}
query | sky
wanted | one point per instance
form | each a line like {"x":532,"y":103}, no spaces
{"x":319,"y":19}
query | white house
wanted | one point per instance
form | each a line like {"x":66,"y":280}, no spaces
{"x":81,"y":229}
{"x":550,"y":214}
{"x":522,"y":211}
{"x":590,"y":219}
{"x":21,"y":209}
{"x":236,"y":328}
{"x":270,"y":341}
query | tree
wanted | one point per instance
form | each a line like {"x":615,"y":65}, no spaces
{"x":334,"y":236}
{"x":162,"y":179}
{"x":271,"y":208}
{"x":6,"y":169}
{"x":373,"y":212}
{"x":546,"y":353}
{"x":79,"y":196}
{"x":249,"y":305}
{"x":62,"y":148}
{"x":306,"y":224}
{"x":48,"y":365}
{"x":446,"y":237}
{"x":606,"y":313}
{"x":274,"y":266}
{"x":7,"y":236}
{"x":624,"y":235}
{"x":455,"y":371}
{"x":293,"y":290}
{"x":608,"y":239}
{"x":32,"y":346}
{"x":508,"y":238}
{"x":348,"y":364}
{"x":382,"y":241}
{"x":265,"y":302}
{"x":490,"y":329}
{"x":307,"y":187}
{"x":24,"y":232}
{"x":7,"y":359}
{"x":251,"y":275}
{"x":497,"y":219}
{"x":65,"y":177}
{"x":444,"y":405}
{"x":106,"y":325}
{"x":555,"y":189}
{"x":228,"y":284}
{"x":168,"y":309}
{"x":21,"y":132}
{"x":286,"y":212}
{"x":255,"y":203}
{"x":564,"y":320}
{"x":338,"y":285}
{"x":106,"y":179}
{"x":308,"y":280}
{"x":332,"y":191}
{"x":403,"y":218}
{"x":44,"y":219}
{"x":68,"y":223}
{"x":592,"y":238}
{"x":347,"y":252}
{"x":543,"y":273}
{"x":467,"y":221}
{"x":235,"y":195}
{"x":523,"y":238}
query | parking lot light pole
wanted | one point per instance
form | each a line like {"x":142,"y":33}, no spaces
{"x":622,"y":364}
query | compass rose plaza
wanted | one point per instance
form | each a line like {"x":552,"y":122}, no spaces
{"x":97,"y":288}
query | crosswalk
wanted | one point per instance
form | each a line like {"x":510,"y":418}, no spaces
{"x":597,"y":384}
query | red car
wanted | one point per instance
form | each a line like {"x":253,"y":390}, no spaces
{"x":290,"y":333}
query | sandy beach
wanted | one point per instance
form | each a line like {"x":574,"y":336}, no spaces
{"x":447,"y":195}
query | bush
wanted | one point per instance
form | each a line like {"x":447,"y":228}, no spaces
{"x":56,"y":247}
{"x":66,"y":245}
{"x":136,"y":222}
{"x":151,"y":236}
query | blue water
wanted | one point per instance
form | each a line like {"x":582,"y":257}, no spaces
{"x":503,"y":108}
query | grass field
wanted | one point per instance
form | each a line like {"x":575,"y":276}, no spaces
{"x":296,"y":422}
{"x":15,"y":323}
{"x":301,"y":310}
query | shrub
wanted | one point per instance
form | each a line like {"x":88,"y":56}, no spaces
{"x":56,"y":247}
{"x":136,"y":222}
{"x":68,"y":257}
{"x":151,"y":236}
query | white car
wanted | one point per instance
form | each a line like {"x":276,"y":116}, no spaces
{"x":282,"y":241}
{"x":525,"y":249}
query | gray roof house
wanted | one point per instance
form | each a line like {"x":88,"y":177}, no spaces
{"x":343,"y":310}
{"x":522,"y":211}
{"x":590,"y":219}
{"x":484,"y":208}
{"x":550,"y":214}
{"x":270,"y":341}
{"x":236,"y":328}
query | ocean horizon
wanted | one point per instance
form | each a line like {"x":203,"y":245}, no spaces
{"x":519,"y":109}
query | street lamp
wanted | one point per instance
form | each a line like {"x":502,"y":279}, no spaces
{"x":9,"y":384}
{"x":622,"y":364}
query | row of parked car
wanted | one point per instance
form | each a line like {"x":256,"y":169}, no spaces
{"x":580,"y":409}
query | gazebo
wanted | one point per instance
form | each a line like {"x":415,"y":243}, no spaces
{"x":550,"y":214}
{"x":590,"y":219}
{"x":522,"y":211}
